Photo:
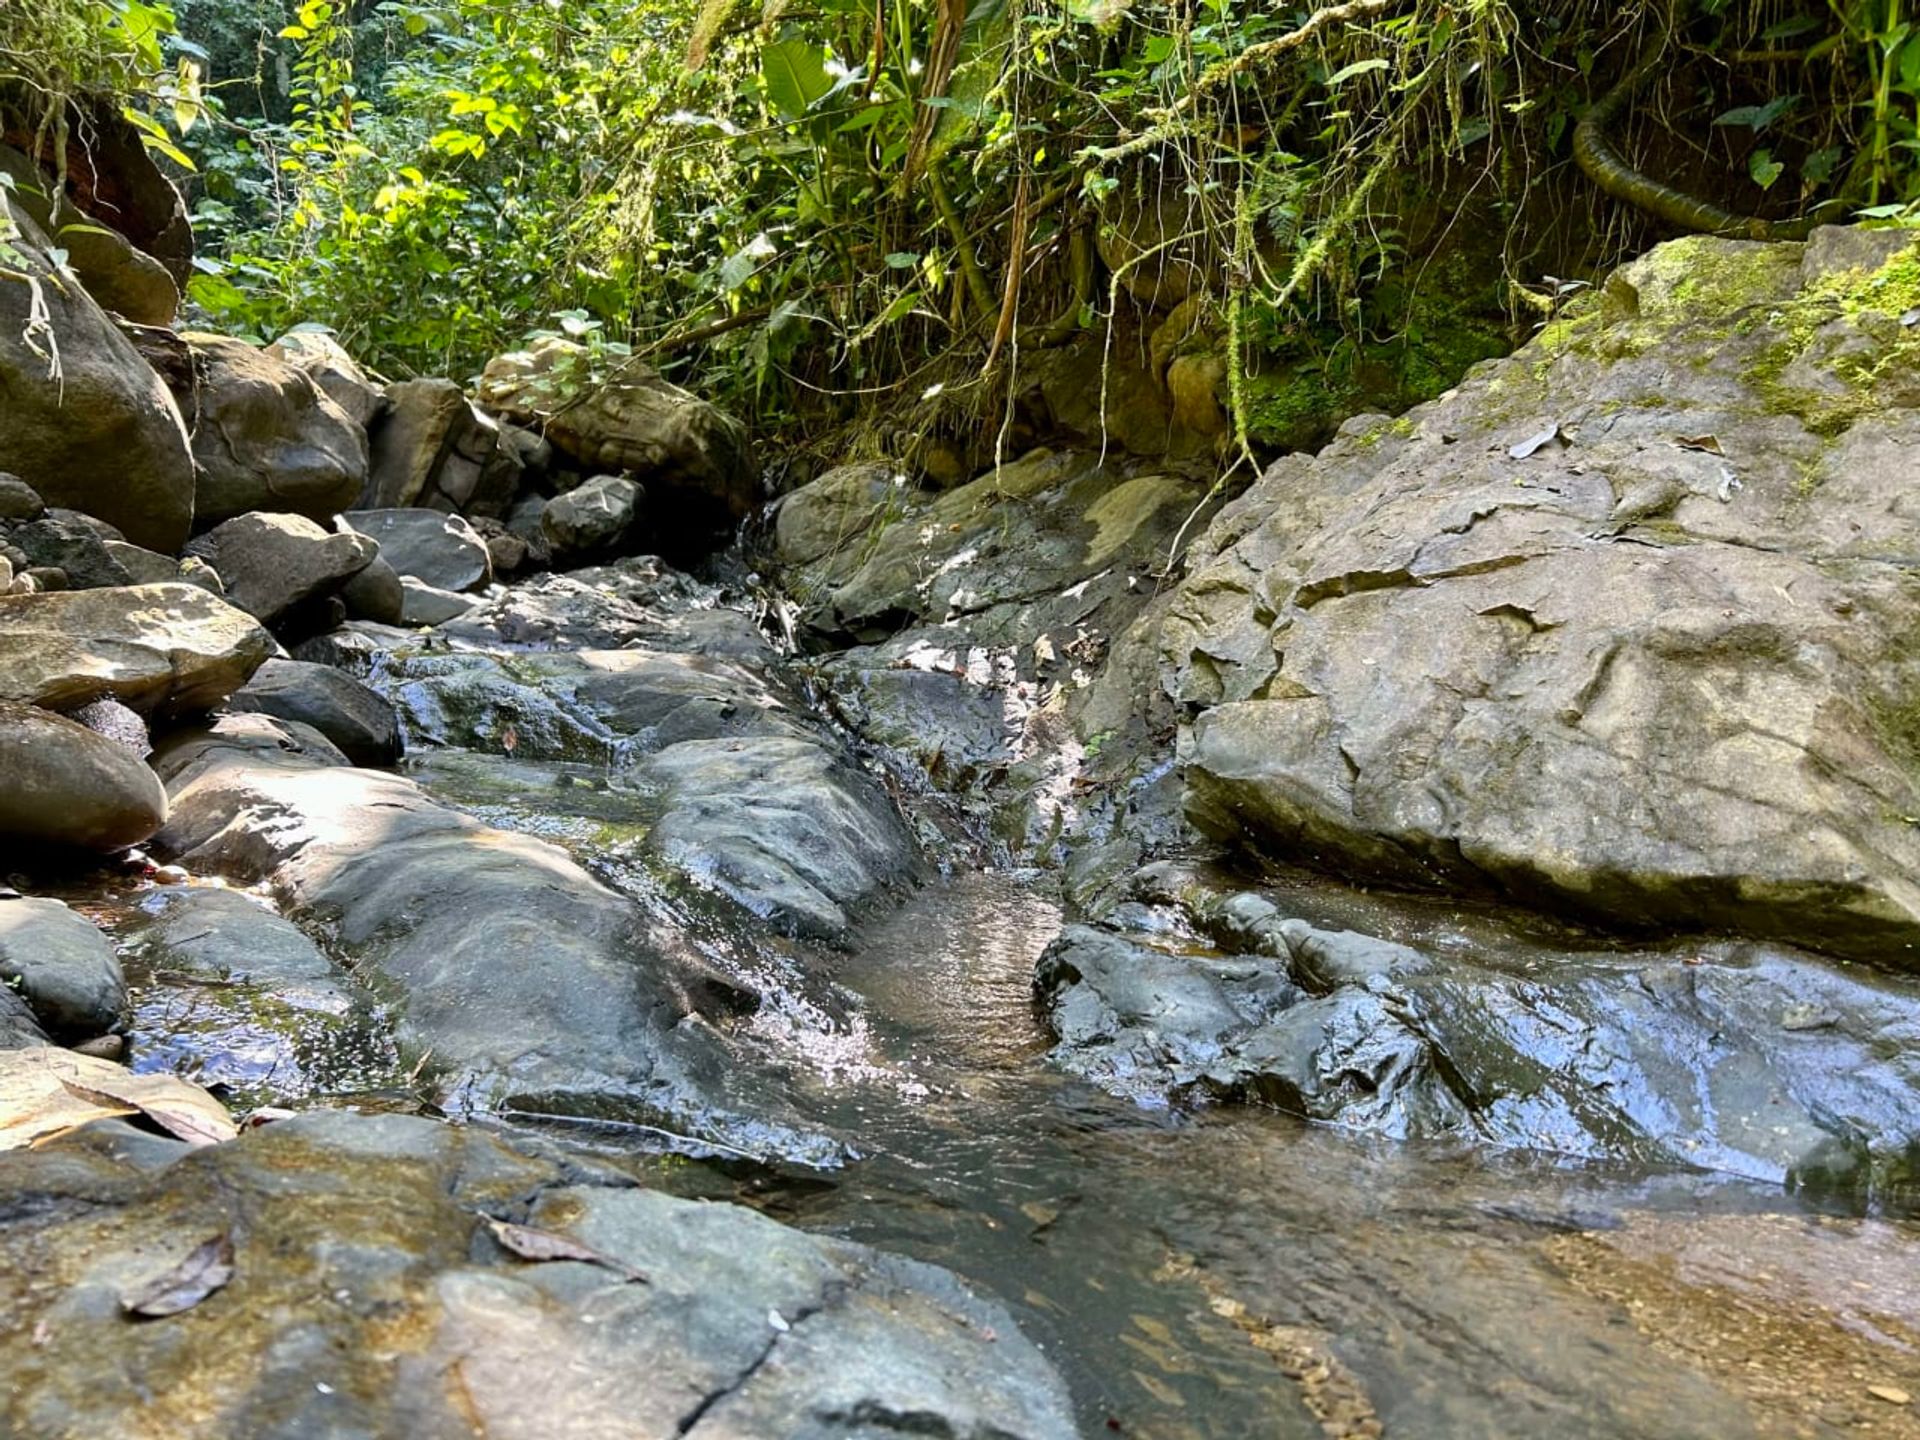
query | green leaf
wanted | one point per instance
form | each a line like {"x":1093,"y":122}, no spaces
{"x":1358,"y":67}
{"x":1764,"y":168}
{"x":1757,"y":117}
{"x":739,"y":267}
{"x":215,"y":292}
{"x":794,"y":75}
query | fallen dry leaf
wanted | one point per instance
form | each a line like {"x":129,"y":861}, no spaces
{"x":206,"y":1270}
{"x":45,"y":1092}
{"x":543,"y":1245}
{"x":1708,"y":443}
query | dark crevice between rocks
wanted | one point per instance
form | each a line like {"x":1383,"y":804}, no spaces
{"x":829,"y":1297}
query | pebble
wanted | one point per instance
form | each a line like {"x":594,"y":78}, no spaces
{"x":1892,"y":1394}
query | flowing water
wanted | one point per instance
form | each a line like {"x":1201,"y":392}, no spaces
{"x":1224,"y":1272}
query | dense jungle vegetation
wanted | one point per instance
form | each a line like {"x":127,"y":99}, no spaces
{"x":832,"y":208}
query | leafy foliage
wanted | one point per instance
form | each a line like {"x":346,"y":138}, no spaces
{"x":885,"y":198}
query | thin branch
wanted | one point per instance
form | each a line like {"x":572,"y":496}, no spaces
{"x":1226,"y":71}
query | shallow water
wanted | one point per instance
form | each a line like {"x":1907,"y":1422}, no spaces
{"x":1225,"y":1272}
{"x":1236,"y":1273}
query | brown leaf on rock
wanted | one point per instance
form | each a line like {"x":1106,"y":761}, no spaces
{"x":1710,"y":444}
{"x":543,"y":1245}
{"x":184,"y":1111}
{"x":206,"y":1270}
{"x":45,"y":1092}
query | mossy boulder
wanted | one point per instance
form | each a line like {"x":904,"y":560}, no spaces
{"x":1623,"y":624}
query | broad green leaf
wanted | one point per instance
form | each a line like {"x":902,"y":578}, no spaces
{"x":794,"y":75}
{"x":739,"y":267}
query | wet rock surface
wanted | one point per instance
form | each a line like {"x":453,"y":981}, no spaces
{"x":522,"y":982}
{"x":1730,"y":1056}
{"x":738,"y":1327}
{"x":710,"y":746}
{"x":228,"y":991}
{"x":977,"y":621}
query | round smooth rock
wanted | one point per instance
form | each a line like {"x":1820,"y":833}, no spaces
{"x":66,"y":785}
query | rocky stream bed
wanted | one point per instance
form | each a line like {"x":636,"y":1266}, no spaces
{"x":1418,"y":944}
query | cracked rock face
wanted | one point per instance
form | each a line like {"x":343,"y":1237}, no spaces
{"x":1624,"y":623}
{"x":430,"y":1328}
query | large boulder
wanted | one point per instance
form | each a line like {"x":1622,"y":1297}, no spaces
{"x":375,"y":594}
{"x":630,"y":420}
{"x":353,"y":717}
{"x":336,"y":372}
{"x":267,"y":437}
{"x":741,"y":792}
{"x":166,"y":649}
{"x":835,"y":511}
{"x":63,"y":967}
{"x":591,"y":517}
{"x":1624,"y":624}
{"x":433,"y":449}
{"x":67,"y":785}
{"x":89,"y":425}
{"x":111,"y":173}
{"x":118,"y":275}
{"x":271,"y":563}
{"x":783,"y":825}
{"x":386,"y":1280}
{"x":431,"y":545}
{"x":986,"y":612}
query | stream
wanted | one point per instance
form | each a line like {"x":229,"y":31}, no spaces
{"x":1220,"y":1272}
